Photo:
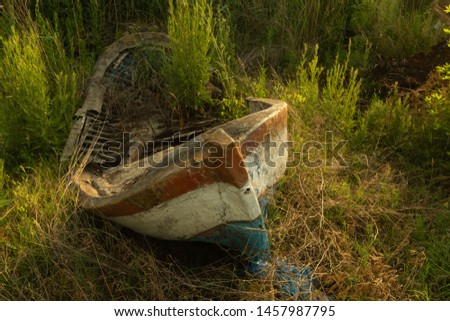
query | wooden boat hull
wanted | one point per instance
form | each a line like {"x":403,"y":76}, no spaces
{"x":206,"y":188}
{"x":193,"y":190}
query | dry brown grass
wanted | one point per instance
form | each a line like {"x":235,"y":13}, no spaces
{"x":349,"y":226}
{"x":324,"y":227}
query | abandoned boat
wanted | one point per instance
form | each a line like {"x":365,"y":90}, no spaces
{"x":206,"y":184}
{"x":205,"y":181}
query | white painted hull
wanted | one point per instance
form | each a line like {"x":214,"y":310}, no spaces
{"x":182,"y":192}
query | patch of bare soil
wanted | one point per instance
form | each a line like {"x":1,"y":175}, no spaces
{"x":414,"y":75}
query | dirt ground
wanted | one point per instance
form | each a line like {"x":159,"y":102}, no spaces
{"x":414,"y":75}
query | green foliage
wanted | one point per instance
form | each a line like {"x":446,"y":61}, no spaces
{"x":384,"y":124}
{"x":438,"y":107}
{"x":336,"y":100}
{"x":393,"y":28}
{"x":260,"y":85}
{"x":3,"y":200}
{"x":25,"y":100}
{"x":445,"y":69}
{"x":303,"y":91}
{"x":284,"y":26}
{"x":187,"y":71}
{"x":37,"y":100}
{"x":341,"y":94}
{"x":199,"y":44}
{"x":436,"y":124}
{"x":438,"y":103}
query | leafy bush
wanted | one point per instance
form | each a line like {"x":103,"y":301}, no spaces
{"x":435,"y":125}
{"x":281,"y":28}
{"x":384,"y":124}
{"x":341,"y":94}
{"x":438,"y":107}
{"x":336,"y":100}
{"x":199,"y":43}
{"x":395,"y":29}
{"x":3,"y":199}
{"x":36,"y":101}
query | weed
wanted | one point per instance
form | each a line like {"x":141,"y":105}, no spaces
{"x":259,"y":87}
{"x":3,"y":197}
{"x":384,"y":124}
{"x":191,"y":30}
{"x":341,"y":94}
{"x":195,"y":32}
{"x":34,"y":97}
{"x":394,"y":29}
{"x":336,"y":99}
{"x":438,"y":106}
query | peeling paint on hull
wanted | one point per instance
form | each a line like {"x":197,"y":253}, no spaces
{"x":195,"y":212}
{"x":183,"y":192}
{"x":186,"y":203}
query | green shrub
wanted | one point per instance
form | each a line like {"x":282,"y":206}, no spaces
{"x":3,"y":200}
{"x":187,"y":71}
{"x":433,"y":127}
{"x":334,"y":101}
{"x":438,"y":131}
{"x":385,"y":124}
{"x":395,"y":29}
{"x":199,"y":45}
{"x":439,"y":103}
{"x":302,"y":92}
{"x":282,"y":27}
{"x":36,"y":101}
{"x":341,"y":94}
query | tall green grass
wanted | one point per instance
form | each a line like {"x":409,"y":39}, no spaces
{"x":200,"y":46}
{"x":395,"y":28}
{"x":281,"y":28}
{"x":3,"y":197}
{"x":187,"y":71}
{"x":336,"y":98}
{"x":37,"y":100}
{"x":89,"y":25}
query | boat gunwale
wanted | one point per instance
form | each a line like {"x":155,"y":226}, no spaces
{"x":90,"y":201}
